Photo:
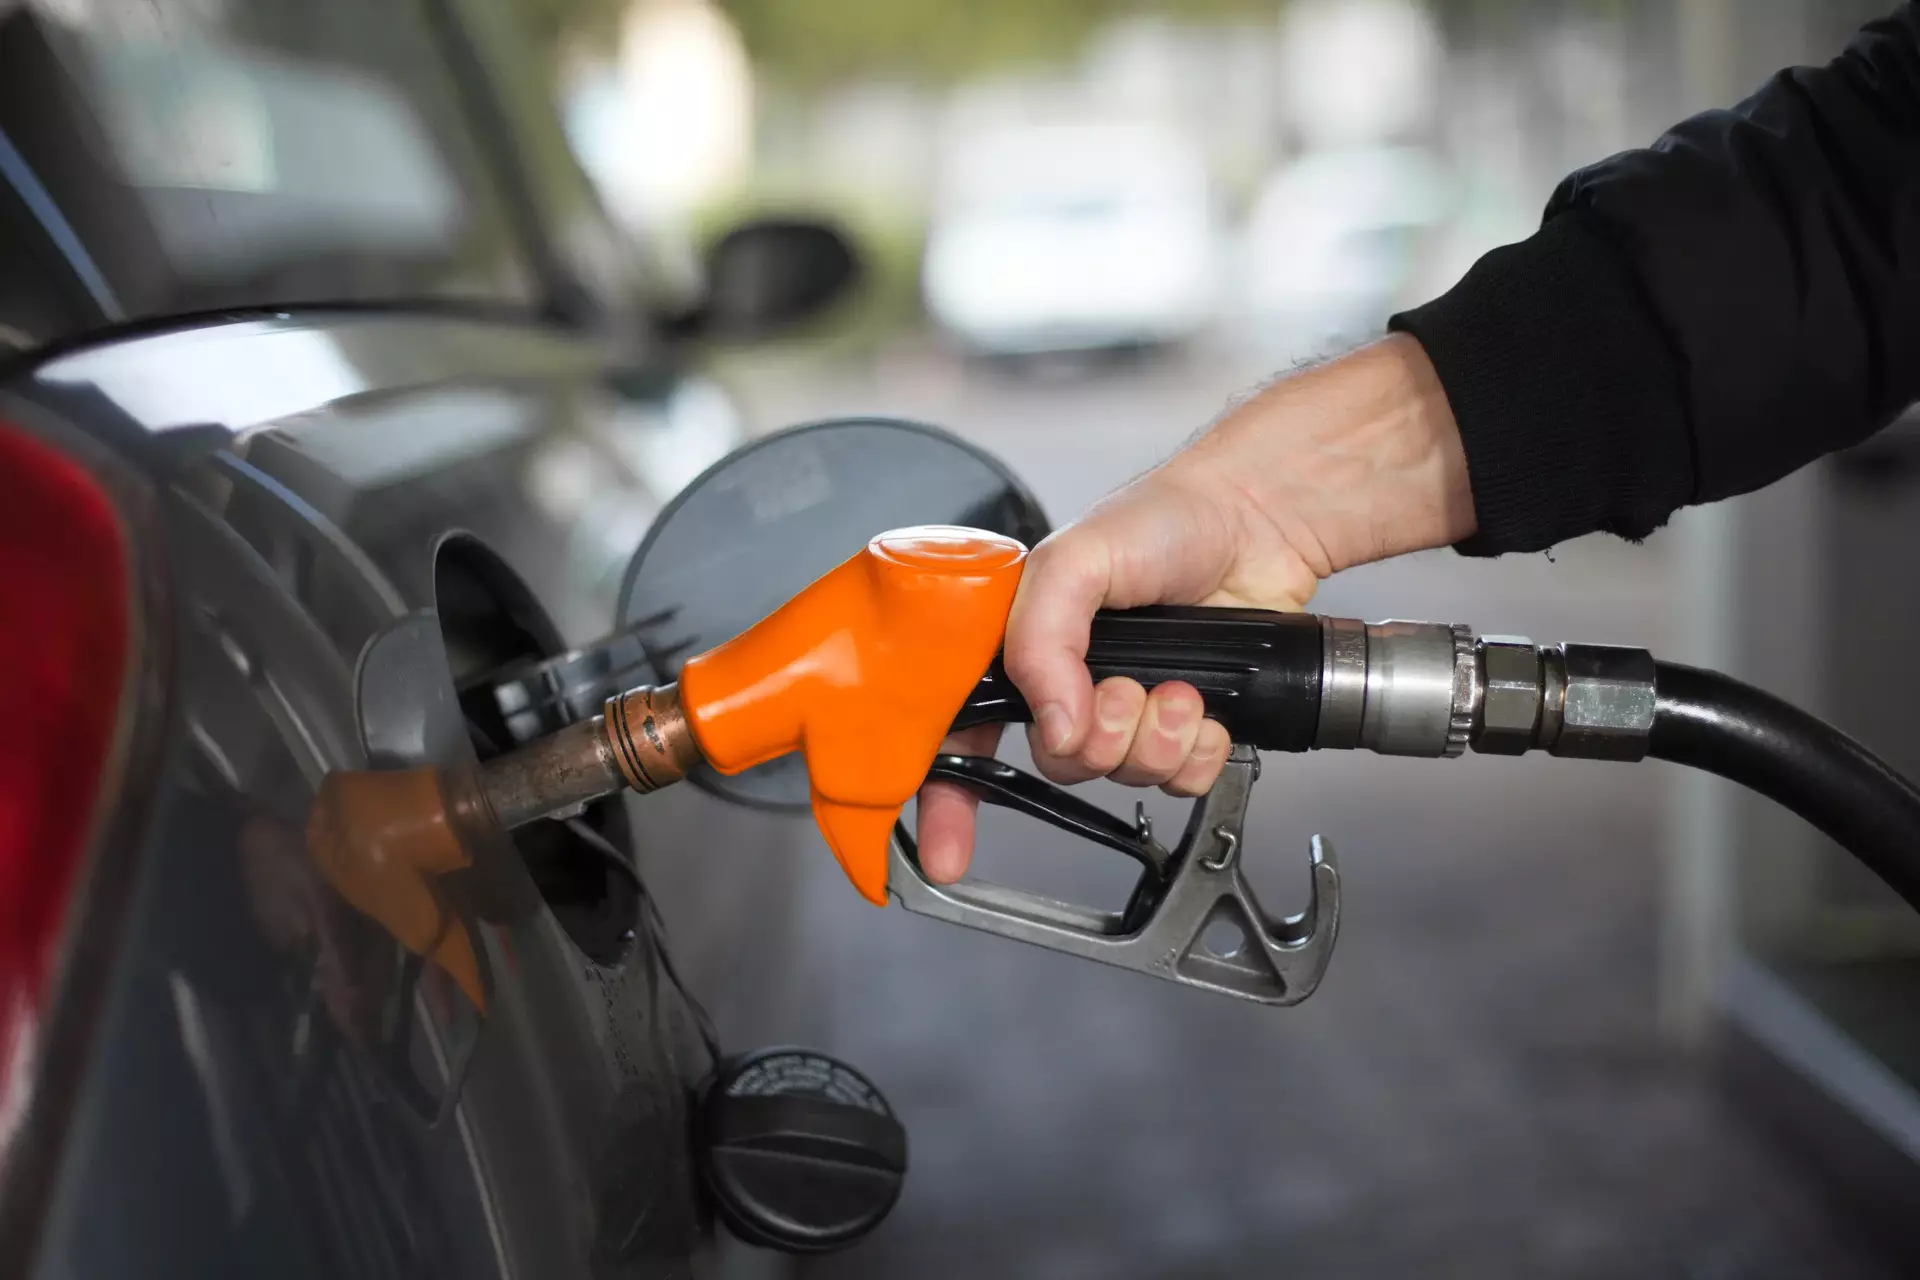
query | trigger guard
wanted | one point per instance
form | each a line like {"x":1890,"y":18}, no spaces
{"x":1164,"y":930}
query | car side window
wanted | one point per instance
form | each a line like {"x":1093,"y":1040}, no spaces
{"x":190,"y":155}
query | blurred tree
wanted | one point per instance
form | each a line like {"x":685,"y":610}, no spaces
{"x":815,"y":41}
{"x":812,"y":41}
{"x":561,"y":27}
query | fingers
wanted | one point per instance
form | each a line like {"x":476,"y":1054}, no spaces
{"x":1197,"y":774}
{"x":1047,"y":630}
{"x":947,"y":812}
{"x":1160,"y":739}
{"x":1118,"y":705}
{"x":1160,"y":540}
{"x":1140,"y":739}
{"x":1164,"y":738}
{"x":1164,"y":539}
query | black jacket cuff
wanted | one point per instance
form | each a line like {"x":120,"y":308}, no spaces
{"x":1567,"y":392}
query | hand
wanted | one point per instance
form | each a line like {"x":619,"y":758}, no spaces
{"x":1353,"y":461}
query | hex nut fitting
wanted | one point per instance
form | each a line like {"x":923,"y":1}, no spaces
{"x":1511,"y":681}
{"x":1609,"y":704}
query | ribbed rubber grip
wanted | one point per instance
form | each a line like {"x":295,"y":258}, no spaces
{"x":1257,"y":671}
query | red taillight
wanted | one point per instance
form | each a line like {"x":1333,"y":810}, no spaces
{"x":63,"y":652}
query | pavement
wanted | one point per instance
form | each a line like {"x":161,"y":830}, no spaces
{"x":1481,"y":1086}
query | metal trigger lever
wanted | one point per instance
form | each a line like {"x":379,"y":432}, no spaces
{"x":999,"y":783}
{"x":1171,"y":925}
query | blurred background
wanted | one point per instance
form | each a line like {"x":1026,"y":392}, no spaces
{"x":1583,"y":1020}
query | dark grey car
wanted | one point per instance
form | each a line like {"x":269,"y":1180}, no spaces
{"x":312,"y":297}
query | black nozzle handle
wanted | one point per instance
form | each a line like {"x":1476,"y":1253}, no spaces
{"x":1258,"y":672}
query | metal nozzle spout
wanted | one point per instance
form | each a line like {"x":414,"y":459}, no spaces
{"x":640,"y":740}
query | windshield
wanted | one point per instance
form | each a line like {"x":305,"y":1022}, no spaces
{"x":186,"y":155}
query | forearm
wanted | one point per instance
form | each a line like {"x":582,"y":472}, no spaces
{"x":1358,"y":459}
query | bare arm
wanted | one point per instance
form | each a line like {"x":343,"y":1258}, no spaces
{"x":1346,"y":463}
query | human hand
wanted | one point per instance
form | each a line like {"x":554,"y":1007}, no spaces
{"x":1353,"y":461}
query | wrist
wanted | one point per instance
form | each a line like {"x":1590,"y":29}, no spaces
{"x":1359,"y":459}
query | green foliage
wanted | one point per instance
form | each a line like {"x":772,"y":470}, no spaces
{"x":552,"y":26}
{"x":814,"y":41}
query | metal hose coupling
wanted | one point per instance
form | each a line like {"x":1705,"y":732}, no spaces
{"x":1434,"y":689}
{"x":640,"y":740}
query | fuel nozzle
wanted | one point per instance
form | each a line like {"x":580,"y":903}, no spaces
{"x":862,"y":673}
{"x":867,"y":670}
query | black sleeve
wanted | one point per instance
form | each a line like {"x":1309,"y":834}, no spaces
{"x":1699,"y":318}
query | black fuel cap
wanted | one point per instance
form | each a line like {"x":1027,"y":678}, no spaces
{"x":801,"y":1152}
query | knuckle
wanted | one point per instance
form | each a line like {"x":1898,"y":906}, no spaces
{"x":1029,"y":663}
{"x":1067,"y":565}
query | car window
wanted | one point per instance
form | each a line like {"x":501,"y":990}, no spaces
{"x":632,"y":271}
{"x":185,"y":155}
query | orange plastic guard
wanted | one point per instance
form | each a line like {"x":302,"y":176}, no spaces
{"x":863,"y":671}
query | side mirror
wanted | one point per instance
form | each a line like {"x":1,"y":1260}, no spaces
{"x":768,"y":275}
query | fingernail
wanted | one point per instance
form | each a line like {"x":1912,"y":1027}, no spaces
{"x":1055,"y":727}
{"x":1173,"y":716}
{"x":1111,"y":710}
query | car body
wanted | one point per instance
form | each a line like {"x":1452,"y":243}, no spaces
{"x":311,"y":302}
{"x":1075,"y":236}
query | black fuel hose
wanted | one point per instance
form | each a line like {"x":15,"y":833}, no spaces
{"x":1709,"y":721}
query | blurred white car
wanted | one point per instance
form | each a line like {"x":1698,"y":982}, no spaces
{"x":1331,"y":243}
{"x":1072,"y":237}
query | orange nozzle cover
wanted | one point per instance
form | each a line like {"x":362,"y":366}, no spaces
{"x":379,"y":838}
{"x":863,"y":672}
